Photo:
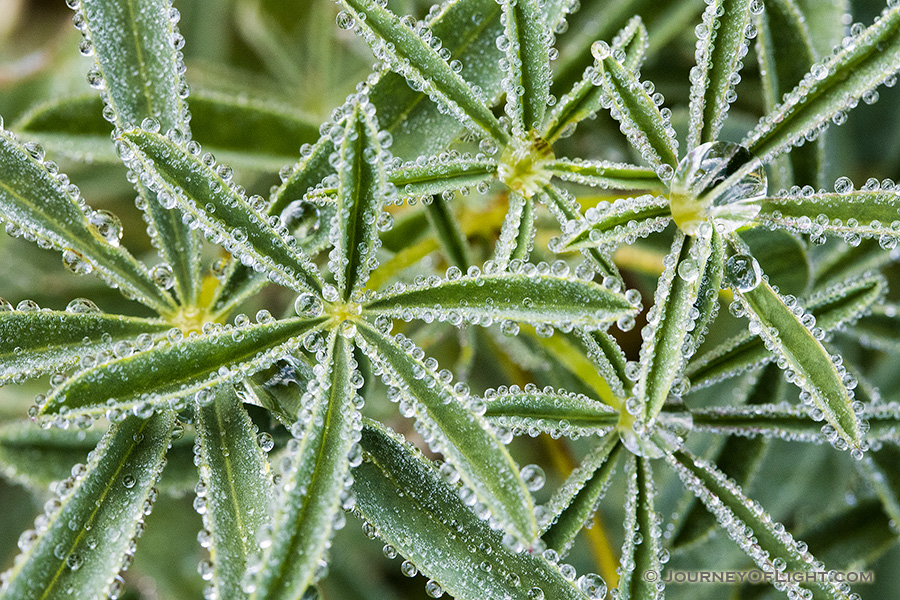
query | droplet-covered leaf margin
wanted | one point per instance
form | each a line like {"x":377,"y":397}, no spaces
{"x":310,"y":495}
{"x":424,"y":524}
{"x":531,"y":297}
{"x":813,"y":368}
{"x":150,"y":379}
{"x":75,"y":555}
{"x":833,"y":307}
{"x":763,"y":539}
{"x":138,"y":69}
{"x":237,"y":485}
{"x":37,"y":201}
{"x":209,"y":196}
{"x":453,"y":428}
{"x":36,"y":342}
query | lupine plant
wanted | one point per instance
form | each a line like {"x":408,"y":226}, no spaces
{"x":467,"y":236}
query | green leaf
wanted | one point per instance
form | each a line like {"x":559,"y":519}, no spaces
{"x":583,"y":100}
{"x":883,"y":467}
{"x":171,"y":370}
{"x":784,"y":49}
{"x":669,"y":327}
{"x":833,"y":307}
{"x":361,"y":192}
{"x":640,"y":119}
{"x":310,"y":496}
{"x":453,"y":422}
{"x":527,"y":83}
{"x":721,"y":47}
{"x":440,"y":175}
{"x":737,"y":457}
{"x":423,"y":523}
{"x":446,"y":230}
{"x":565,"y":208}
{"x":610,"y":225}
{"x":409,"y":55}
{"x":607,"y":175}
{"x":540,"y":296}
{"x":786,"y":258}
{"x":73,"y":555}
{"x":137,"y":66}
{"x":517,"y":233}
{"x":578,"y":497}
{"x":865,"y":213}
{"x":830,"y":87}
{"x":857,"y":535}
{"x":749,"y":525}
{"x":549,"y":411}
{"x":609,"y":359}
{"x":36,"y":342}
{"x":37,"y":202}
{"x":252,"y":133}
{"x":223,"y":212}
{"x":237,"y":488}
{"x":641,"y":521}
{"x":814,"y":370}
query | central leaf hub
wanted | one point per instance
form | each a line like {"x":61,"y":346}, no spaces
{"x":721,"y":182}
{"x":523,"y":165}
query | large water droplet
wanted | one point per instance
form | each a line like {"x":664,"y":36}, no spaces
{"x":301,"y":218}
{"x":534,"y":477}
{"x":705,"y":188}
{"x":163,"y":276}
{"x":107,"y":225}
{"x":743,"y":272}
{"x":308,"y":305}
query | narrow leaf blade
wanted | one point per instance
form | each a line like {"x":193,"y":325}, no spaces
{"x":528,"y":54}
{"x":461,"y":434}
{"x":224,"y":213}
{"x":39,"y":203}
{"x":110,"y":494}
{"x":423,"y":525}
{"x":548,"y":299}
{"x":171,"y":370}
{"x":238,"y":488}
{"x":310,"y":495}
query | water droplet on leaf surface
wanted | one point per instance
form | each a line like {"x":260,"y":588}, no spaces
{"x":743,"y":272}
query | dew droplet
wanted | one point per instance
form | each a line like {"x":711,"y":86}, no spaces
{"x":593,"y":586}
{"x":743,"y":272}
{"x":163,"y":276}
{"x":308,"y":305}
{"x":301,"y":218}
{"x":107,"y":225}
{"x":81,"y":306}
{"x":266,"y":442}
{"x":534,"y":477}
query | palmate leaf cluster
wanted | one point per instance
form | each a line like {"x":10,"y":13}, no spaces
{"x":454,"y":239}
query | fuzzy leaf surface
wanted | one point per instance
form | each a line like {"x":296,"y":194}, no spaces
{"x":730,"y":506}
{"x":623,"y":220}
{"x":719,"y":53}
{"x":578,"y":497}
{"x":361,"y":191}
{"x":528,"y":54}
{"x":38,"y":204}
{"x":830,"y":87}
{"x":412,"y":57}
{"x":310,"y":496}
{"x":607,"y":175}
{"x":36,"y":342}
{"x":550,"y":410}
{"x":134,"y":48}
{"x":641,"y":520}
{"x":814,"y":369}
{"x":832,"y":308}
{"x":221,"y":211}
{"x":435,"y":178}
